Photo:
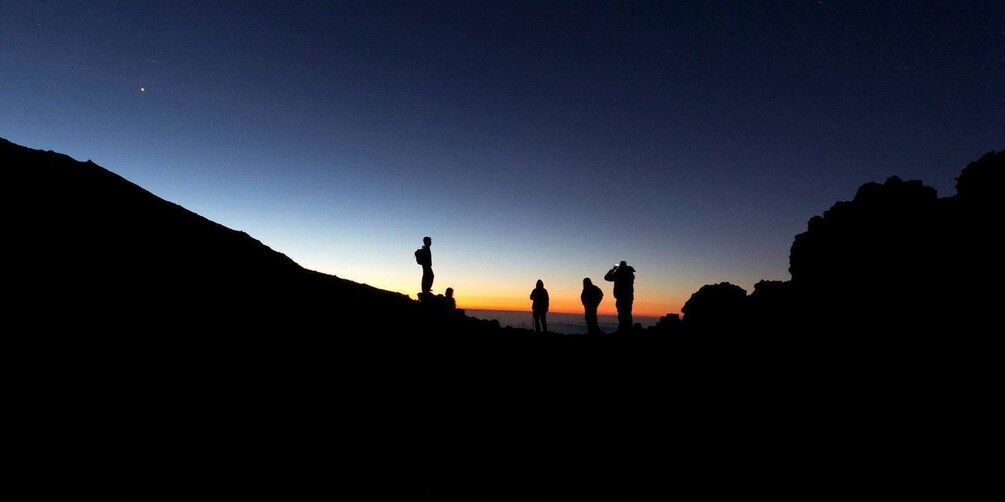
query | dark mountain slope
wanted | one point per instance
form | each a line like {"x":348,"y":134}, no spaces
{"x":97,"y":250}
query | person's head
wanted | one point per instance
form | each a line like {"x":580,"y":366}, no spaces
{"x":540,"y":283}
{"x":450,"y":291}
{"x":587,"y":282}
{"x":623,"y":264}
{"x":427,"y":241}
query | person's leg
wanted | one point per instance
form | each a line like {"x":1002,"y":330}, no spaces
{"x":544,"y":322}
{"x":427,"y":279}
{"x":620,"y":305}
{"x":537,"y":322}
{"x":624,"y":306}
{"x":628,"y":314}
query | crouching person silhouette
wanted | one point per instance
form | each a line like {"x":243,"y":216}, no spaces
{"x":451,"y":303}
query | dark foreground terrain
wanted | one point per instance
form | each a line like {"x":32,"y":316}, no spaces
{"x":167,"y":356}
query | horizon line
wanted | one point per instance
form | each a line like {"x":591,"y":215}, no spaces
{"x":528,"y":311}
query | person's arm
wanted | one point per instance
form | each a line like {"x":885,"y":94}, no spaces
{"x":610,"y":276}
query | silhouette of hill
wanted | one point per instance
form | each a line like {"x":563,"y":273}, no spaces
{"x":95,"y":250}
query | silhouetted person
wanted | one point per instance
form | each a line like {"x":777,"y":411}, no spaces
{"x":449,"y":300}
{"x":540,"y":307}
{"x":425,"y":258}
{"x":591,"y":298}
{"x":623,"y":278}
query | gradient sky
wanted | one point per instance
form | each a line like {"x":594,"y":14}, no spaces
{"x":528,"y":139}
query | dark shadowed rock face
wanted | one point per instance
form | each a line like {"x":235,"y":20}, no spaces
{"x":772,"y":305}
{"x":669,"y":324}
{"x":896,"y":260}
{"x":897,"y":256}
{"x":885,"y":234}
{"x":716,"y":306}
{"x":983,"y":180}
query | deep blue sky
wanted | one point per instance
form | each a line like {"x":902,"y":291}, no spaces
{"x":529,"y":139}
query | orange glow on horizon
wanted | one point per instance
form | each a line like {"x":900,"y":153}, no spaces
{"x":564,"y":303}
{"x":564,"y":306}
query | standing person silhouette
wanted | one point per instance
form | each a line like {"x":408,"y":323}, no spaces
{"x":591,"y":298}
{"x":623,"y":278}
{"x":425,"y":258}
{"x":540,"y":307}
